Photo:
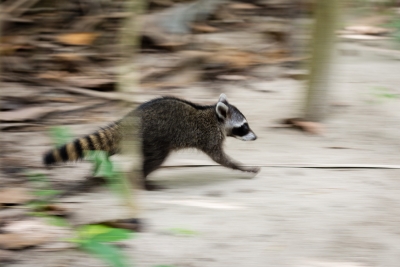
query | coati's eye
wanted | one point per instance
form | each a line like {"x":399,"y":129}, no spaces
{"x":242,"y":130}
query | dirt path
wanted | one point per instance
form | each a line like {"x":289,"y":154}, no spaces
{"x":282,"y":217}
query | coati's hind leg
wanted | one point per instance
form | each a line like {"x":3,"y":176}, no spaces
{"x":151,"y":162}
{"x":219,"y":156}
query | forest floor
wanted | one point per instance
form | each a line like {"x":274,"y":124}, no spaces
{"x":293,"y":217}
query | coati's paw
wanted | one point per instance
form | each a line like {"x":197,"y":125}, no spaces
{"x":252,"y":169}
{"x":149,"y":186}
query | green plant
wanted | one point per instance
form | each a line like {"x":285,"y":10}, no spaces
{"x":91,"y":238}
{"x":182,"y":232}
{"x":104,"y":167}
{"x":95,"y":239}
{"x":43,"y":192}
{"x":395,"y":25}
{"x":60,"y":135}
{"x":383,"y":93}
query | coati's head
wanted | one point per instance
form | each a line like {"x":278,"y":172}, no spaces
{"x":234,"y":121}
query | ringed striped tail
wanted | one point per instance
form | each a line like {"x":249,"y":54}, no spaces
{"x":106,"y":139}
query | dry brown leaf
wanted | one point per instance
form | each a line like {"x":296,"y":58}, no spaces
{"x":25,"y":114}
{"x":275,"y":54}
{"x":19,"y":241}
{"x":82,"y":38}
{"x":53,"y":75}
{"x":13,"y":196}
{"x":203,"y":28}
{"x":310,"y":127}
{"x":245,"y":6}
{"x":31,"y":232}
{"x":232,"y":77}
{"x":307,"y":126}
{"x":130,"y":224}
{"x":54,"y":210}
{"x":8,"y":49}
{"x":234,"y":59}
{"x":296,"y":74}
{"x":71,"y":57}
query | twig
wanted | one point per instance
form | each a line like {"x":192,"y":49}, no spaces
{"x":304,"y":166}
{"x":110,"y":96}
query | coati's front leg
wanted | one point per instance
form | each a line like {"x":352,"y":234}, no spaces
{"x":219,"y":156}
{"x":152,"y":160}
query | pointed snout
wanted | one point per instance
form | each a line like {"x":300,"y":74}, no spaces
{"x":248,"y":137}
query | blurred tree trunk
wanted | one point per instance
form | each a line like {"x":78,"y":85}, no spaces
{"x":129,"y":44}
{"x":128,"y":82}
{"x":326,"y":16}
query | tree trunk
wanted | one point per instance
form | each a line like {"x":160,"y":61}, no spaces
{"x":128,"y":82}
{"x":322,"y":50}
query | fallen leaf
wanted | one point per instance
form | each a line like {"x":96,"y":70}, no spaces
{"x":296,"y":74}
{"x":129,"y":224}
{"x":19,"y":241}
{"x":203,"y":28}
{"x":232,"y":77}
{"x":53,"y":75}
{"x":31,"y":232}
{"x":82,"y":38}
{"x":234,"y":59}
{"x":72,"y":57}
{"x":245,"y":6}
{"x":8,"y":49}
{"x":54,"y":210}
{"x":14,"y":196}
{"x":307,"y":126}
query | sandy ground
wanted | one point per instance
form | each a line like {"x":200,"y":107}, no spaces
{"x":284,"y":216}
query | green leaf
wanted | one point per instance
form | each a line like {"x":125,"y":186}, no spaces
{"x":100,"y":161}
{"x":113,"y":235}
{"x":93,"y":229}
{"x":107,"y":252}
{"x":60,"y":135}
{"x":182,"y":231}
{"x":37,"y":205}
{"x":57,"y":221}
{"x":106,"y":169}
{"x":39,"y":179}
{"x":102,"y":233}
{"x":46,"y":193}
{"x":116,"y":183}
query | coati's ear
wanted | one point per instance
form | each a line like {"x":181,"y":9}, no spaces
{"x":222,"y":110}
{"x":222,"y":98}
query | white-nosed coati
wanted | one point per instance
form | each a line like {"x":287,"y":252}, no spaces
{"x":168,"y":124}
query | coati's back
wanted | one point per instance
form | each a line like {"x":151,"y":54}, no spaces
{"x":167,"y":123}
{"x":175,"y":123}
